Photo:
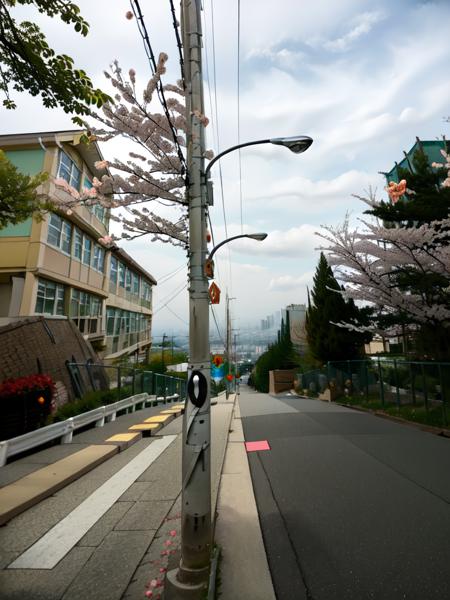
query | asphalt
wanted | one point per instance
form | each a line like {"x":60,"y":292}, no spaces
{"x":351,"y":506}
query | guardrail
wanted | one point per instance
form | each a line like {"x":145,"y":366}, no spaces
{"x":65,"y":429}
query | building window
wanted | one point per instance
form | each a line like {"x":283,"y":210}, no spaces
{"x":59,"y":233}
{"x":68,"y":170}
{"x":99,"y":258}
{"x":128,"y":281}
{"x":87,"y":251}
{"x":85,"y":311}
{"x":135,"y":284}
{"x":113,"y":270}
{"x":50,"y":298}
{"x":125,"y":328}
{"x":78,"y":244}
{"x":122,"y":270}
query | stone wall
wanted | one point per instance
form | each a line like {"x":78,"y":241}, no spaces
{"x":43,"y":345}
{"x":281,"y":380}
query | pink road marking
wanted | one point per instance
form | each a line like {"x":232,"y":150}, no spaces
{"x":255,"y":446}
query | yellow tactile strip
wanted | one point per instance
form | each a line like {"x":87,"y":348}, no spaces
{"x":159,"y":419}
{"x":124,"y":440}
{"x":31,"y":489}
{"x":146,"y":429}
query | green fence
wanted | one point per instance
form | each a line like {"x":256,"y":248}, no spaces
{"x":123,"y":381}
{"x":416,"y":390}
{"x":410,"y":386}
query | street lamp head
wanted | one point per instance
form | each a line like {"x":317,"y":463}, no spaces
{"x":296,"y":143}
{"x":257,"y":236}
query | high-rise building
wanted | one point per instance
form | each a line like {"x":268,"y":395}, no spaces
{"x":297,"y":317}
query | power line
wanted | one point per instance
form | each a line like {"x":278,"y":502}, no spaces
{"x":217,"y":325}
{"x":177,"y":316}
{"x":169,"y":276}
{"x":239,"y":105}
{"x":179,"y":44}
{"x":216,"y":115}
{"x":160,"y":88}
{"x":168,"y":299}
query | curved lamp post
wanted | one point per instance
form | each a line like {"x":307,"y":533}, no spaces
{"x":253,"y":236}
{"x":296,"y":144}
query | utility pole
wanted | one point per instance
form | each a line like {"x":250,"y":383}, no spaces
{"x":162,"y":352}
{"x":190,"y":579}
{"x":228,"y":343}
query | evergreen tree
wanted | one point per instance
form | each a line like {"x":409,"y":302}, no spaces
{"x":327,"y":341}
{"x":279,"y":355}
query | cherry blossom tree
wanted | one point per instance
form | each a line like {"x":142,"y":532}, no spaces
{"x":154,"y":171}
{"x":401,"y":265}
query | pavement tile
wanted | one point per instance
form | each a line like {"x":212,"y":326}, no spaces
{"x":144,"y":516}
{"x":135,"y":491}
{"x":6,"y":557}
{"x":18,"y":584}
{"x":98,"y":532}
{"x":152,"y":561}
{"x":106,"y":575}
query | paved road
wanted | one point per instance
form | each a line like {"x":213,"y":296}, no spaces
{"x":351,"y":506}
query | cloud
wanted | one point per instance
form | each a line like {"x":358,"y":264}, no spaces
{"x":363,"y":24}
{"x":291,"y":243}
{"x":289,"y":282}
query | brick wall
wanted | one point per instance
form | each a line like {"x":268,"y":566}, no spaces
{"x":42,"y":345}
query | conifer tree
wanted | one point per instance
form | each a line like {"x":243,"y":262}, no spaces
{"x":326,"y":340}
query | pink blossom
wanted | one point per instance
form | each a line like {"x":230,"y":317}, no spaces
{"x":106,"y":240}
{"x":173,"y":533}
{"x":149,"y":593}
{"x":154,"y":583}
{"x":162,"y":570}
{"x":101,"y":164}
{"x":167,"y":543}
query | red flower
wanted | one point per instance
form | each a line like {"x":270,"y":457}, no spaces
{"x":23,"y":386}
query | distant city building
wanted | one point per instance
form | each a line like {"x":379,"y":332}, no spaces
{"x":57,"y":267}
{"x":297,"y":318}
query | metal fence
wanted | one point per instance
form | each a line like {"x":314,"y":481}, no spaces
{"x":386,"y":382}
{"x":122,"y":381}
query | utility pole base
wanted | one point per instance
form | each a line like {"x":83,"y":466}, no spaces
{"x":176,"y":590}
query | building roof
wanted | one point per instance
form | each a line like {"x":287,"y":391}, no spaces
{"x":432,"y":149}
{"x":90,"y":153}
{"x":127,"y":258}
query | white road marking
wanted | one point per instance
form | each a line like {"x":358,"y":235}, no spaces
{"x":56,"y":543}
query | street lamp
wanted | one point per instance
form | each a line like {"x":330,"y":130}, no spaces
{"x":296,"y":144}
{"x":259,"y":237}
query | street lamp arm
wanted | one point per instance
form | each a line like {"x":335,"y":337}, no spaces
{"x":219,"y":156}
{"x":255,"y":236}
{"x":296,"y":144}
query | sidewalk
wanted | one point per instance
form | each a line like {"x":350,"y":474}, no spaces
{"x":129,"y":543}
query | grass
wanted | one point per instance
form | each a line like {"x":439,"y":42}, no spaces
{"x":88,"y":402}
{"x":417,"y":413}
